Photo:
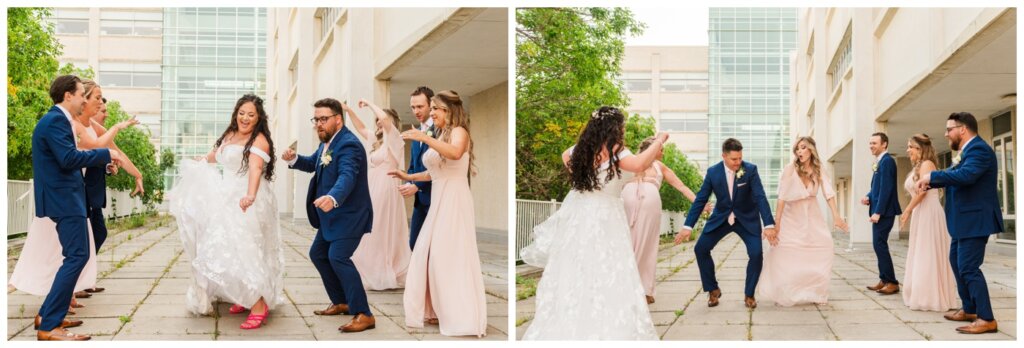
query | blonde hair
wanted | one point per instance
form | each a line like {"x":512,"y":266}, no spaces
{"x":455,"y":117}
{"x":815,"y":161}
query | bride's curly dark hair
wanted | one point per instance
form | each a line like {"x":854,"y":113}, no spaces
{"x":604,"y":131}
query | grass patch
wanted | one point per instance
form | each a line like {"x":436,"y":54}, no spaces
{"x":521,"y":321}
{"x":125,"y":319}
{"x":525,"y":287}
{"x":680,"y":312}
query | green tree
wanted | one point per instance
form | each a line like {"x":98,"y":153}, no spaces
{"x":135,"y":143}
{"x":637,"y":129}
{"x":32,"y":53}
{"x":567,"y":63}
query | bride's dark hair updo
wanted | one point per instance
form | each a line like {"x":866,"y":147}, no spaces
{"x":604,"y":131}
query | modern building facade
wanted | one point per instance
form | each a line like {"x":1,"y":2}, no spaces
{"x":670,"y":84}
{"x":211,"y":57}
{"x":382,"y":55}
{"x":123,"y":46}
{"x":903,"y":71}
{"x":748,"y":78}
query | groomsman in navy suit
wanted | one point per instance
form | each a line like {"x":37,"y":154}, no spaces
{"x":972,"y":214}
{"x":883,"y":205}
{"x":338,"y":206}
{"x":419,"y":101}
{"x":60,"y":195}
{"x":742,"y":206}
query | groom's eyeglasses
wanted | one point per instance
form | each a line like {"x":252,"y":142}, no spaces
{"x":319,"y":120}
{"x":950,"y":129}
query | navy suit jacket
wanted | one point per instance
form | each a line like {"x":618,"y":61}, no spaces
{"x":415,"y":166}
{"x":344,"y":179}
{"x":749,"y":202}
{"x":57,"y":164}
{"x":883,"y":198}
{"x":972,"y":201}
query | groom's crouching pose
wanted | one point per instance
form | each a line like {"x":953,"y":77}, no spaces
{"x":338,"y":205}
{"x":741,"y":208}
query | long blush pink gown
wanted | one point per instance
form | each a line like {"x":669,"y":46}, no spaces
{"x":382,"y":257}
{"x":444,"y":279}
{"x":798,"y":269}
{"x":643,"y":210}
{"x":928,"y":284}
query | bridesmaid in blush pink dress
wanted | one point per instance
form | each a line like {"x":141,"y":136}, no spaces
{"x":929,"y":284}
{"x":444,"y":285}
{"x":798,"y":265}
{"x":382,"y":257}
{"x":642,"y":200}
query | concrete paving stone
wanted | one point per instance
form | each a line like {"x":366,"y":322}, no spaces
{"x":716,"y":318}
{"x":163,"y":310}
{"x":145,"y":325}
{"x":499,"y":323}
{"x":104,"y":311}
{"x":875,"y":331}
{"x":908,"y":315}
{"x":705,"y":333}
{"x":775,"y":318}
{"x":168,"y":337}
{"x":791,"y":333}
{"x":663,"y":318}
{"x":870,"y":316}
{"x":103,"y":299}
{"x":842,"y":305}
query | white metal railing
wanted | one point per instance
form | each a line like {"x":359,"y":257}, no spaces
{"x":21,"y":205}
{"x":530,"y":213}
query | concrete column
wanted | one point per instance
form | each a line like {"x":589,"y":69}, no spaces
{"x":861,"y":105}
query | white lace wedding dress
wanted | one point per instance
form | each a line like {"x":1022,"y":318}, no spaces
{"x":590,"y":289}
{"x":236,"y":257}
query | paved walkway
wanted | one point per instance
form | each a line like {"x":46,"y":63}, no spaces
{"x":145,"y":273}
{"x":853,"y":312}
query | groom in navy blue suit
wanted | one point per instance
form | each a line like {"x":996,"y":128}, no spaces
{"x":972,"y":215}
{"x":338,"y":205}
{"x":60,"y":195}
{"x":742,"y":206}
{"x":883,"y":205}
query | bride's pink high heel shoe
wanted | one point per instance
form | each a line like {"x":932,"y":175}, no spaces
{"x":235,"y":309}
{"x":260,"y":319}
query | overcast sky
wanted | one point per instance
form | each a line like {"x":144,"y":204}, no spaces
{"x":671,"y":26}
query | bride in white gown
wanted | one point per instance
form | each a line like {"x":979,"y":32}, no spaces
{"x":591,"y":288}
{"x":229,"y":222}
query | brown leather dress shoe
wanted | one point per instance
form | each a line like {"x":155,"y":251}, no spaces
{"x":750,"y":302}
{"x":960,"y":315}
{"x":333,"y":310}
{"x":650,"y":299}
{"x":876,"y":286}
{"x":96,"y":289}
{"x":361,"y":322}
{"x":713,"y":297}
{"x":979,"y":326}
{"x":889,"y":289}
{"x":60,"y":334}
{"x":82,"y":294}
{"x":64,"y":324}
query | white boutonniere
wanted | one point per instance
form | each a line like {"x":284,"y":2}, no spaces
{"x":956,"y":160}
{"x":874,"y":167}
{"x":325,"y":158}
{"x":739,"y":174}
{"x":430,"y":132}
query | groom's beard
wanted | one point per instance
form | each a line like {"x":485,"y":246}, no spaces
{"x":954,"y":144}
